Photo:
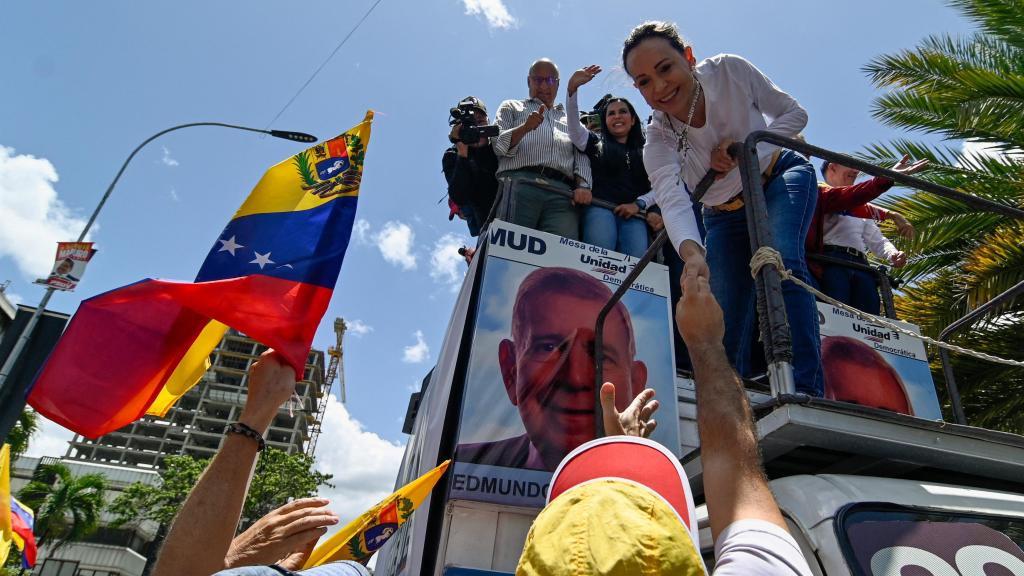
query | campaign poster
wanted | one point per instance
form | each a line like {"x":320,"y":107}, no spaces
{"x":871,"y":365}
{"x":529,"y":394}
{"x":69,"y":266}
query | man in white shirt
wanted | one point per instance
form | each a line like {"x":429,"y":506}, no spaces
{"x":534,"y":143}
{"x":621,"y":505}
{"x":850,"y":238}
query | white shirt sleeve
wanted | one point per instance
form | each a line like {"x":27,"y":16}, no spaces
{"x":876,"y":242}
{"x":758,"y":548}
{"x":649,"y":199}
{"x":578,"y":133}
{"x":784,"y":113}
{"x":506,"y":121}
{"x":662,"y":164}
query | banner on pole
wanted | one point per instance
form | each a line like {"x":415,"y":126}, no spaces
{"x":69,"y":266}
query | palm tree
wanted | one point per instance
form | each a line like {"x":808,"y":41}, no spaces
{"x":21,"y":433}
{"x":67,"y":507}
{"x":971,"y":89}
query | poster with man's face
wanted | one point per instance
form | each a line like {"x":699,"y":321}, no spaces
{"x":69,"y":265}
{"x":530,"y":387}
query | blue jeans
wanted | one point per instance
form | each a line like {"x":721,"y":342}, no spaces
{"x":791,"y":195}
{"x":601,"y":227}
{"x":342,"y":568}
{"x":854,"y":287}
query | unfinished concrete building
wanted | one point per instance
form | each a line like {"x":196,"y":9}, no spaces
{"x":195,"y":425}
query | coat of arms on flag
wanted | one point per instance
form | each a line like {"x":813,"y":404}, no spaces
{"x":360,"y":538}
{"x":270,"y":274}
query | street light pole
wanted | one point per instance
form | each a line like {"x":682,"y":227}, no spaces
{"x":26,"y":333}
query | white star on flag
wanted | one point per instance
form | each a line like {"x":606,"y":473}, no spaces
{"x":229,"y":245}
{"x":262,"y":260}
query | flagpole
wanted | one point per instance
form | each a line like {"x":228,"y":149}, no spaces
{"x":26,"y":333}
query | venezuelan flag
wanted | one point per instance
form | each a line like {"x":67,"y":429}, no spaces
{"x":23,"y":521}
{"x":270,"y":275}
{"x":360,"y":538}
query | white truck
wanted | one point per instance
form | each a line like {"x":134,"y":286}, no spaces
{"x":865,"y":491}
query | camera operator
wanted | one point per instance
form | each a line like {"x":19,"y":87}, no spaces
{"x":469,"y":164}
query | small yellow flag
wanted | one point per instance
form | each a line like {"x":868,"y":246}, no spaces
{"x":366,"y":534}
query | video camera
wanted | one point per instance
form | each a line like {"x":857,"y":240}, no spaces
{"x":469,"y":132}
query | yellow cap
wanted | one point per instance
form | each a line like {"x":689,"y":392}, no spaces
{"x":611,"y":527}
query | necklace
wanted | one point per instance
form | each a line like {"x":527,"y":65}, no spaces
{"x":682,"y":137}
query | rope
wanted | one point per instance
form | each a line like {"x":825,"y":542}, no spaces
{"x":768,"y":256}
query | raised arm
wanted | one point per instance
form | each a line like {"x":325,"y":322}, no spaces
{"x":201,"y":533}
{"x":578,"y":133}
{"x":734,"y":483}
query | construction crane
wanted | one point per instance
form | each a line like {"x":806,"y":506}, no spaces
{"x":335,"y":369}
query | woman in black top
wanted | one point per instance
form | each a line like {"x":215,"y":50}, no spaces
{"x":617,"y":165}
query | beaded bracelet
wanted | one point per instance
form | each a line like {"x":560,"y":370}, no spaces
{"x":248,"y":432}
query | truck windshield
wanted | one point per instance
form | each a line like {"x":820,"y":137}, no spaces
{"x":885,"y":539}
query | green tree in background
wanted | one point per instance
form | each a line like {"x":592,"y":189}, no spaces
{"x":22,"y":432}
{"x":67,"y":507}
{"x":964,"y":88}
{"x":279,"y":477}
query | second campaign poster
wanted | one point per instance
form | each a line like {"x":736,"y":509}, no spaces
{"x":529,"y":392}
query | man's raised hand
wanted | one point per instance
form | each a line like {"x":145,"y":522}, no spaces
{"x":905,"y":166}
{"x":535,"y":119}
{"x":271,"y":384}
{"x":635,"y":420}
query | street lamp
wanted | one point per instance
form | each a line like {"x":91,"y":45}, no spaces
{"x":30,"y":326}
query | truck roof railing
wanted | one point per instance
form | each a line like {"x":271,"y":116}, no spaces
{"x":771,"y":311}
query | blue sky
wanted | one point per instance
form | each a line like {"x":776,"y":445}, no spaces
{"x":84,"y":83}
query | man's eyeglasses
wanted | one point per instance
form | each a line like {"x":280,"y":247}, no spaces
{"x":542,"y":80}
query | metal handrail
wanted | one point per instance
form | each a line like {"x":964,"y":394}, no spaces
{"x":882,"y":279}
{"x":775,"y":326}
{"x":602,"y":315}
{"x":964,"y":322}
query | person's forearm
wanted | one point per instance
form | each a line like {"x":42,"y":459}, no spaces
{"x":202,"y":531}
{"x":724,"y":418}
{"x":516,"y":136}
{"x":734,"y":482}
{"x":578,"y":133}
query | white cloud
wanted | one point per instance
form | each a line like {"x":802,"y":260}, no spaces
{"x":417,"y":352}
{"x":362,"y":231}
{"x":976,"y":149}
{"x":364,"y":465}
{"x":174,"y":195}
{"x":446,"y":264}
{"x":358,"y":327}
{"x":51,"y":439}
{"x":166,"y":159}
{"x":395,"y":242}
{"x":494,"y":11}
{"x":33,"y":218}
{"x":13,"y":298}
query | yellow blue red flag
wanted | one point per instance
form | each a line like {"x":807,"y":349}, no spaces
{"x":270,"y":274}
{"x":22,"y":524}
{"x":360,"y":538}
